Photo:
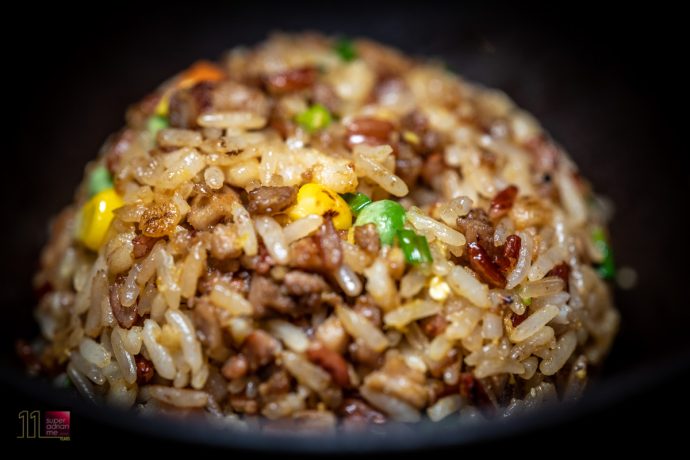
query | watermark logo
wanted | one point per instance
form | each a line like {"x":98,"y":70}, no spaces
{"x":49,"y":425}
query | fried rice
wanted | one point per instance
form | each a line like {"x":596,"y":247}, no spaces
{"x":327,"y":233}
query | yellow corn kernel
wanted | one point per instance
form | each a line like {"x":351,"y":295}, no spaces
{"x":96,"y":216}
{"x":317,"y":199}
{"x":163,"y":106}
{"x":438,"y":289}
{"x":411,"y":137}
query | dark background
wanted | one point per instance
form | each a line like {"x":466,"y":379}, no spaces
{"x":610,"y":85}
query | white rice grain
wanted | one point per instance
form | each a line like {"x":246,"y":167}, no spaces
{"x":272,"y":234}
{"x":412,"y":311}
{"x":223,"y":296}
{"x":300,"y":228}
{"x":361,"y":328}
{"x":159,"y":355}
{"x":559,"y":355}
{"x":462,"y":281}
{"x":292,"y":336}
{"x":125,"y":360}
{"x":533,"y":323}
{"x":444,"y":407}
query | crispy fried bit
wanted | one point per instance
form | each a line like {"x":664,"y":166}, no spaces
{"x":368,"y":130}
{"x":291,"y":80}
{"x":502,"y":202}
{"x":145,"y":370}
{"x":159,"y":219}
{"x":482,"y":264}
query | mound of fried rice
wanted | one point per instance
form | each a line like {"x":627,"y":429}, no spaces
{"x":206,"y":299}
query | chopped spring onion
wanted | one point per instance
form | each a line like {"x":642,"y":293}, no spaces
{"x":415,"y":247}
{"x":387,"y":215}
{"x":156,"y":123}
{"x":357,"y":201}
{"x":315,"y":118}
{"x":345,"y":49}
{"x":607,"y":268}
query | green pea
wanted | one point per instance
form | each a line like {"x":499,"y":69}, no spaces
{"x":315,"y":118}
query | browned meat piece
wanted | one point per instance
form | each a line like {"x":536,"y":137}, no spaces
{"x":125,"y":316}
{"x":424,"y":140}
{"x":365,"y":306}
{"x":278,"y":383}
{"x":432,"y":168}
{"x":502,"y":202}
{"x":235,"y":367}
{"x":142,"y":245}
{"x":116,"y":146}
{"x":408,"y":165}
{"x":265,"y":293}
{"x":270,"y":200}
{"x":306,"y":254}
{"x":324,"y":94}
{"x":187,"y":104}
{"x":139,"y":113}
{"x":331,"y":361}
{"x":562,"y":271}
{"x":481,"y":263}
{"x":301,"y":283}
{"x":434,"y":325}
{"x":259,"y":348}
{"x":329,"y":245}
{"x":367,"y":238}
{"x":244,"y":405}
{"x":361,"y":353}
{"x":368,"y":130}
{"x":286,"y":128}
{"x":260,"y":263}
{"x":477,"y":227}
{"x":207,"y":326}
{"x":473,"y":391}
{"x":291,"y":80}
{"x":145,"y":370}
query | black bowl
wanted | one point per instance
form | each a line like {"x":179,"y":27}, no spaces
{"x":580,"y":74}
